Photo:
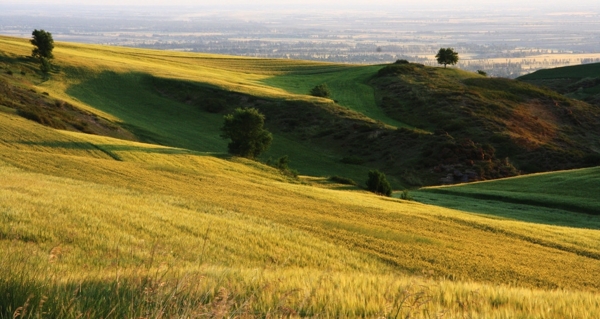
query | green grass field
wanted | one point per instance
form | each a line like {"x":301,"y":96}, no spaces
{"x":97,"y":227}
{"x":574,"y":191}
{"x":348,"y":86}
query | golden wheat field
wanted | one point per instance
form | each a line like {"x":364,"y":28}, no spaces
{"x":97,"y":227}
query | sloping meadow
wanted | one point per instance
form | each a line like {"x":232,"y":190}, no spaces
{"x":173,"y":233}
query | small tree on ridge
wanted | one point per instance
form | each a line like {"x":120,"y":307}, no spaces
{"x":43,"y":44}
{"x":447,"y":56}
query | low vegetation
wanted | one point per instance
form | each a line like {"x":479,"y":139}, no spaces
{"x":321,"y":90}
{"x":378,"y":183}
{"x":488,"y":127}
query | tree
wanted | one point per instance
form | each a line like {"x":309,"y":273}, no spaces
{"x":321,"y":90}
{"x":245,"y":129}
{"x":43,"y":44}
{"x":446,"y":56}
{"x":378,"y":183}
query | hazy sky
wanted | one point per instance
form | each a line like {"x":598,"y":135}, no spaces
{"x":438,"y":4}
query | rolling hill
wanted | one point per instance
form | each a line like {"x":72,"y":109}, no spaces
{"x":394,"y":118}
{"x":119,"y":201}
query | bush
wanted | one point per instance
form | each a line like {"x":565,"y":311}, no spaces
{"x":481,"y":72}
{"x":401,"y":61}
{"x":405,"y":195}
{"x":321,"y":90}
{"x":342,"y":180}
{"x":378,"y":183}
{"x":282,"y":162}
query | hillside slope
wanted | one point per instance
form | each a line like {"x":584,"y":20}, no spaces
{"x":87,"y":208}
{"x":534,"y":128}
{"x":381,"y":116}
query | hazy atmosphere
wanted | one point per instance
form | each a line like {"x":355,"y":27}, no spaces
{"x":506,"y":38}
{"x":299,"y":159}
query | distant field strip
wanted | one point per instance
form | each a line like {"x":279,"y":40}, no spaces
{"x":574,"y":190}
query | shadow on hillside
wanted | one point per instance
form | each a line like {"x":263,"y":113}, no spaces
{"x":157,"y":111}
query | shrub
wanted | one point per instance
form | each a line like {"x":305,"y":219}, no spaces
{"x":401,"y":61}
{"x":481,"y":72}
{"x":378,"y":183}
{"x":282,"y":162}
{"x":405,"y":195}
{"x":321,"y":90}
{"x":342,"y":180}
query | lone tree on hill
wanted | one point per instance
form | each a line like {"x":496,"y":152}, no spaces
{"x":378,"y":183}
{"x":43,"y":44}
{"x":446,"y":56}
{"x":245,"y":129}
